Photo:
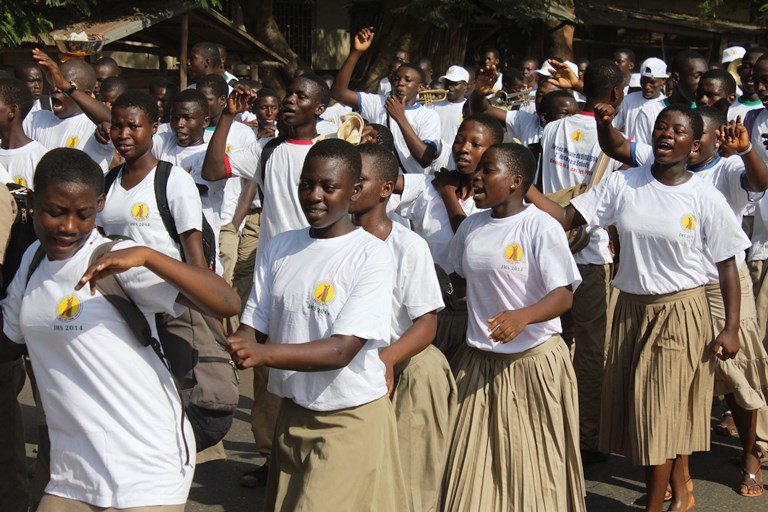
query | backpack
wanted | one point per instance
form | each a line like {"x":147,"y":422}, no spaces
{"x":21,"y":237}
{"x":162,"y":173}
{"x":203,"y":373}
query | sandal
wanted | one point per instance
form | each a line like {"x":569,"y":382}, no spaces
{"x":726,"y":427}
{"x":752,"y":484}
{"x":668,"y":494}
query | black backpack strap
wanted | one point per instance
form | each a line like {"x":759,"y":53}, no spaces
{"x":162,"y":173}
{"x":36,"y":260}
{"x":111,"y":176}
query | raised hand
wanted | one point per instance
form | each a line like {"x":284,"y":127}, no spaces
{"x":564,"y":77}
{"x":734,"y":136}
{"x":604,"y":113}
{"x":114,"y":262}
{"x":363,"y":39}
{"x":485,"y":80}
{"x":240,"y":99}
{"x":50,"y":69}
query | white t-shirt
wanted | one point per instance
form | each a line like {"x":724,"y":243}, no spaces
{"x":113,"y":413}
{"x":334,"y":113}
{"x":666,"y":233}
{"x":629,"y":110}
{"x":451,"y":115}
{"x":569,"y":153}
{"x":740,"y":108}
{"x":524,"y":126}
{"x":307,"y":289}
{"x":424,"y":121}
{"x":189,"y":158}
{"x":21,"y":162}
{"x":421,"y":203}
{"x":27,"y":123}
{"x":73,"y":132}
{"x":646,"y":120}
{"x":416,"y":291}
{"x":281,"y":210}
{"x":509,"y":264}
{"x":759,"y":249}
{"x":760,"y":127}
{"x":385,"y":86}
{"x":5,"y":176}
{"x":134,"y":213}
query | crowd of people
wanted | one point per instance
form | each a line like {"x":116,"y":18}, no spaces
{"x":449,"y":303}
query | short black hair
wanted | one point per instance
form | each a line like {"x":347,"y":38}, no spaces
{"x":79,"y":72}
{"x":511,"y":76}
{"x":694,"y":118}
{"x":712,"y":115}
{"x":681,"y":58}
{"x":114,"y":83}
{"x":140,"y":100}
{"x":385,"y":163}
{"x":160,"y":82}
{"x":494,"y":51}
{"x":518,"y":161}
{"x":728,"y":82}
{"x":549,"y":100}
{"x":209,"y":51}
{"x":24,"y":65}
{"x":266,"y":92}
{"x":626,"y":51}
{"x":600,"y":77}
{"x":192,"y":96}
{"x":755,"y":49}
{"x":215,"y":83}
{"x":14,"y":91}
{"x":68,"y":165}
{"x":107,"y":62}
{"x":341,"y":150}
{"x":384,"y":136}
{"x":531,"y":58}
{"x":321,"y":88}
{"x":497,"y":132}
{"x":417,"y":69}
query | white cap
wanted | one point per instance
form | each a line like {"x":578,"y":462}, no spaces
{"x":732,"y":53}
{"x":634,"y":80}
{"x":456,"y":74}
{"x":547,"y":70}
{"x":653,"y":68}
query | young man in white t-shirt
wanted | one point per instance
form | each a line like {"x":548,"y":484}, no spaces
{"x":32,"y":76}
{"x":451,"y":111}
{"x":570,"y":152}
{"x":114,"y":415}
{"x":419,"y":378}
{"x":323,"y":295}
{"x":416,"y":129}
{"x":717,"y":88}
{"x":749,"y":100}
{"x":75,"y":114}
{"x":653,"y":75}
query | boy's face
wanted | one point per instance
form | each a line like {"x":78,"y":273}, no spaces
{"x":326,"y":191}
{"x":745,"y":72}
{"x":710,"y":92}
{"x":267,"y":108}
{"x":471,"y":141}
{"x":216,"y":104}
{"x":65,"y":214}
{"x":102,"y":73}
{"x":709,"y":144}
{"x":6,"y":112}
{"x":131,"y":132}
{"x":188,"y":123}
{"x":651,"y":87}
{"x":529,"y":67}
{"x":490,"y":59}
{"x":301,"y":105}
{"x":372,"y":189}
{"x":407,"y":85}
{"x":560,"y":108}
{"x":163,"y":102}
{"x":457,"y":91}
{"x":688,"y":79}
{"x":197,"y":65}
{"x":33,"y":79}
{"x":492,"y":183}
{"x":760,"y":77}
{"x":624,"y":62}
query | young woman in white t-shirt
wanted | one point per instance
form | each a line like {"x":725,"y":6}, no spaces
{"x":516,"y":385}
{"x":659,"y":375}
{"x":114,"y":416}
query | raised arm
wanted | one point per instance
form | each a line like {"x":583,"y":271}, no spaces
{"x":735,"y":137}
{"x":564,"y":77}
{"x":340,"y":89}
{"x":214,"y":168}
{"x":611,"y":141}
{"x":568,"y":216}
{"x":486,"y":78}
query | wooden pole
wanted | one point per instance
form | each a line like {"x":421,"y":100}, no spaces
{"x":183,"y":51}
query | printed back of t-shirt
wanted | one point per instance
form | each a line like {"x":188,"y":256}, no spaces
{"x":21,"y":162}
{"x":73,"y":132}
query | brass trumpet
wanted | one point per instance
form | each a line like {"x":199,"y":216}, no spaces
{"x":511,"y":100}
{"x":429,"y":96}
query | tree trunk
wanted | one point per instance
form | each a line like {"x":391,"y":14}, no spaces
{"x":559,"y":40}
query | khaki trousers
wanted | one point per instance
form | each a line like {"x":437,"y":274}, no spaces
{"x":52,"y":503}
{"x":242,"y":271}
{"x":264,"y":412}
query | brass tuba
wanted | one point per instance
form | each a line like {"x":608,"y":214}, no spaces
{"x":733,"y":70}
{"x":429,"y":96}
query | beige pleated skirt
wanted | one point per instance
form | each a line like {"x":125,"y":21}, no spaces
{"x":452,"y":329}
{"x":746,"y":375}
{"x":657,"y":392}
{"x":336,"y":461}
{"x":425,"y":409}
{"x":516,"y":443}
{"x":758,"y":271}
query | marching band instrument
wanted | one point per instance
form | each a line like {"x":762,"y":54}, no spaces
{"x":733,"y":70}
{"x":429,"y":96}
{"x":511,"y":100}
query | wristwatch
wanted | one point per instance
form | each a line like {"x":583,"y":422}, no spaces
{"x":72,"y":88}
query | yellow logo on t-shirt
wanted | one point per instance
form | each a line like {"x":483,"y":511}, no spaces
{"x":689,"y":223}
{"x":19,"y":180}
{"x":68,"y":309}
{"x":140,"y":211}
{"x":323,"y":293}
{"x":228,"y":148}
{"x":72,"y":142}
{"x":577,"y":136}
{"x":513,"y":253}
{"x":188,"y":169}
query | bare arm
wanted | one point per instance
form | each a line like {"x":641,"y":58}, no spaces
{"x":423,"y":153}
{"x":564,"y":77}
{"x":340,"y":89}
{"x":568,"y":216}
{"x":198,"y":288}
{"x":192,"y":245}
{"x":726,"y":345}
{"x":611,"y":141}
{"x":244,"y":202}
{"x":413,"y":341}
{"x":483,"y":87}
{"x":735,"y":137}
{"x":213,"y":165}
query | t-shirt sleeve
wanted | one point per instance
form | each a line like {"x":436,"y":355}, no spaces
{"x":184,"y":201}
{"x":257,"y":308}
{"x":418,"y":280}
{"x":150,"y":292}
{"x":245,"y":162}
{"x":367,"y":312}
{"x":371,"y":107}
{"x":15,"y":294}
{"x":429,"y":130}
{"x":598,"y":205}
{"x":644,"y":128}
{"x":642,"y":153}
{"x":413,"y":186}
{"x":721,"y":231}
{"x":456,"y":253}
{"x":554,"y":259}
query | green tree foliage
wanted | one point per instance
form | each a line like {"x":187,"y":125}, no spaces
{"x":29,"y":18}
{"x":758,"y":8}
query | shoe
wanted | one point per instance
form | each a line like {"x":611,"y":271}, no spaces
{"x":751,"y":484}
{"x":593,"y":457}
{"x":255,"y":477}
{"x":726,"y":427}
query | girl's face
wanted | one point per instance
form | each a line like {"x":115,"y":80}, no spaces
{"x":493,"y":183}
{"x":709,"y":144}
{"x":673,"y":138}
{"x":131,"y":132}
{"x":472,"y":140}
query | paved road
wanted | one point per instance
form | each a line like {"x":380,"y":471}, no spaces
{"x":615,"y":486}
